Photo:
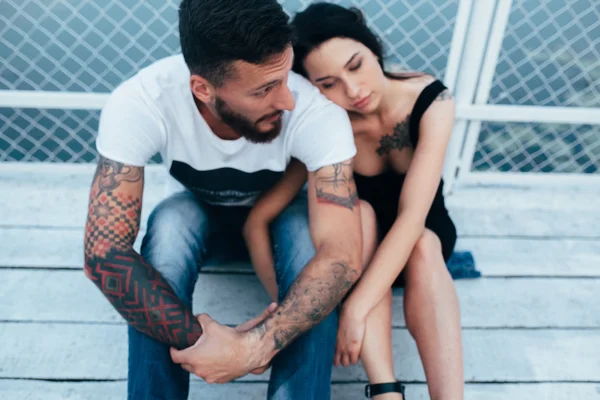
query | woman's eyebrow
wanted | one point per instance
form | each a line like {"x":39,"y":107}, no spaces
{"x":349,"y":61}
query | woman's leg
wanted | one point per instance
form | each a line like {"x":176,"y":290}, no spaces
{"x":376,"y":354}
{"x":433,"y":318}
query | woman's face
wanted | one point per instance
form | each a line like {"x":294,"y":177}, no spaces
{"x":348,"y":73}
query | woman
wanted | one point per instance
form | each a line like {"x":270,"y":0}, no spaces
{"x":402,"y":124}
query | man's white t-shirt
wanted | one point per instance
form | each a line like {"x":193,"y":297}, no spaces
{"x":154,"y":112}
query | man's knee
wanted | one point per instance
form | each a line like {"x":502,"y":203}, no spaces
{"x":293,"y":246}
{"x":175,"y":240}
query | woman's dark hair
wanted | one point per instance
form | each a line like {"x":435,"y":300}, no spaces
{"x":321,"y":22}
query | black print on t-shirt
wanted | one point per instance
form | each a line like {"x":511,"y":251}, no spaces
{"x":225,"y":186}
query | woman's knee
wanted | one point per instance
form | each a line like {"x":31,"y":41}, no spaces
{"x":426,"y":260}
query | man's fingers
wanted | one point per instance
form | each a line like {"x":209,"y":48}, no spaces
{"x":178,"y":356}
{"x":257,"y":320}
{"x":188,"y":368}
{"x":205,"y":321}
{"x":259,"y":371}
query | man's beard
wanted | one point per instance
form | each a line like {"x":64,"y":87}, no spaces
{"x":244,"y":126}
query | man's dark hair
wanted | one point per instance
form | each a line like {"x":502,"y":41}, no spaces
{"x":214,"y":33}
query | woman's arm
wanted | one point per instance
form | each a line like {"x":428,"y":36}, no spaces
{"x":420,"y":186}
{"x":256,"y":228}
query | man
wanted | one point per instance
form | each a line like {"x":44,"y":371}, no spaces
{"x":226,"y":117}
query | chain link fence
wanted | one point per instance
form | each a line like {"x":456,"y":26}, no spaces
{"x":92,"y":46}
{"x":550,"y":57}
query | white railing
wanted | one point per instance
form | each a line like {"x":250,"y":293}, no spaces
{"x":479,"y":68}
{"x":476,"y":47}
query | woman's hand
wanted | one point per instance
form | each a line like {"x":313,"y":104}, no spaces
{"x":351,"y":332}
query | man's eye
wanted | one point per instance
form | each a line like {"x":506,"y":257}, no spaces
{"x":264,"y":91}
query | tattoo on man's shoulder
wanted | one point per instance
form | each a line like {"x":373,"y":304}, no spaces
{"x":445,"y":95}
{"x":398,"y":140}
{"x":335,"y":185}
{"x":110,"y":174}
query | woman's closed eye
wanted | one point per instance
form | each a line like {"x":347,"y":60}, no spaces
{"x":328,"y":85}
{"x":356,"y":66}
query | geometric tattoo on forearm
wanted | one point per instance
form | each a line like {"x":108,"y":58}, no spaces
{"x":134,"y":288}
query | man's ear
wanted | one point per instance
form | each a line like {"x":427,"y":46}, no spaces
{"x":202,"y":89}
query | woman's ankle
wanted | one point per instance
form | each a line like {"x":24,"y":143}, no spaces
{"x":388,"y":396}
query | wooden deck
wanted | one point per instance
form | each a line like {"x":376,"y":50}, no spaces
{"x":531,"y":325}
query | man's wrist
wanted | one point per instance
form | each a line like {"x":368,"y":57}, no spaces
{"x":262,"y":345}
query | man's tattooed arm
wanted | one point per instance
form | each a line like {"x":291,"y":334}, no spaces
{"x":335,"y":228}
{"x":335,"y":185}
{"x":134,"y":288}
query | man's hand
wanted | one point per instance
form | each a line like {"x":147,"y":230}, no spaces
{"x":222,"y":353}
{"x":351,"y":333}
{"x":253,"y":323}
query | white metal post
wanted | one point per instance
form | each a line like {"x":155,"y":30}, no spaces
{"x":490,"y":60}
{"x":54,"y":100}
{"x":467,"y":70}
{"x":458,"y":41}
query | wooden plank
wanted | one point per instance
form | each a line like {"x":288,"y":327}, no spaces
{"x":69,"y":211}
{"x":67,"y":296}
{"x":76,"y":351}
{"x":550,"y":198}
{"x":532,"y":257}
{"x":497,"y":197}
{"x":36,"y":390}
{"x":493,"y":256}
{"x":44,"y":248}
{"x":65,"y":193}
{"x":55,"y":204}
{"x":526,"y":223}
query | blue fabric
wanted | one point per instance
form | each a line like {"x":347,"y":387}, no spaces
{"x":462,"y":265}
{"x":176,"y":244}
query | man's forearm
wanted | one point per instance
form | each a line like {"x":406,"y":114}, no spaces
{"x":316,"y":292}
{"x":143,"y":297}
{"x":136,"y":290}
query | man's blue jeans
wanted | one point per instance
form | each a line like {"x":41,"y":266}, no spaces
{"x":180,"y":233}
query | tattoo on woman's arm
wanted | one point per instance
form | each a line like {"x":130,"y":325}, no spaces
{"x":445,"y":95}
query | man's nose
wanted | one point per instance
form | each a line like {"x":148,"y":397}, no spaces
{"x":285,"y":100}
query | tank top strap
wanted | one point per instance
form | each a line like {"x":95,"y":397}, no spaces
{"x":427,"y":96}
